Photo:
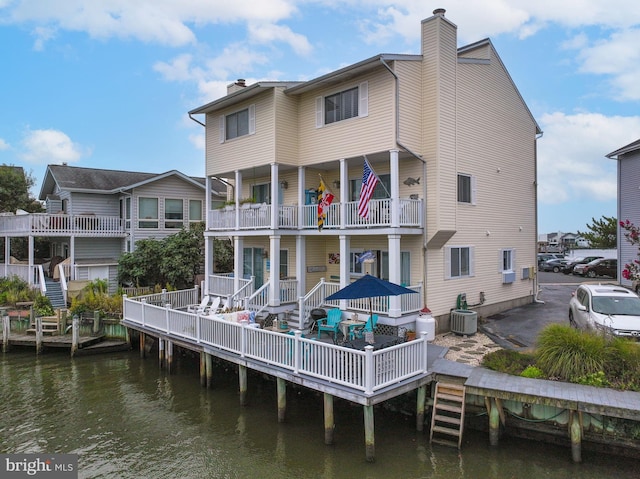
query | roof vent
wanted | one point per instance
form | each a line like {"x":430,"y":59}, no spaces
{"x":439,"y":11}
{"x":241,"y":82}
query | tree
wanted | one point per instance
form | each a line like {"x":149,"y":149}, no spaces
{"x":14,"y":190}
{"x":604,"y":233}
{"x":631,"y":270}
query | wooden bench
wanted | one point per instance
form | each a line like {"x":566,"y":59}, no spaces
{"x":50,"y":326}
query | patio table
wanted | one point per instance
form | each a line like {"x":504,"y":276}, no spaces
{"x":380,"y":341}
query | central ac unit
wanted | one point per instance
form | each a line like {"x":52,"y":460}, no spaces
{"x":464,"y":322}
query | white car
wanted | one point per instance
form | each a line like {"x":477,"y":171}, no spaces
{"x":607,"y":308}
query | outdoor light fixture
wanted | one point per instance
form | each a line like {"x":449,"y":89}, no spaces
{"x":284,"y":184}
{"x":336,"y":183}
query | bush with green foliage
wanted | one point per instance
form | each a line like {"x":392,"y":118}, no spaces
{"x":507,"y":361}
{"x":533,"y":372}
{"x":95,"y":297}
{"x":42,"y":306}
{"x":14,"y":290}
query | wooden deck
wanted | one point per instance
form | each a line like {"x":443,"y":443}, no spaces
{"x":62,"y":341}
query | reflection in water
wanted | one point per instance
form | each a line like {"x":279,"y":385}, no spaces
{"x":125,"y":418}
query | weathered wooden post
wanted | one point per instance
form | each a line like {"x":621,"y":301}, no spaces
{"x":6,"y":329}
{"x":203,"y":369}
{"x":161,"y":353}
{"x":420,"y":402}
{"x":38,"y":335}
{"x":96,"y":322}
{"x":242,"y":376}
{"x":369,"y":434}
{"x":494,"y":420}
{"x":575,"y":430}
{"x":142,"y":351}
{"x":281,"y":386}
{"x":75,"y":334}
{"x":209,"y":362}
{"x":169,"y":356}
{"x":329,"y":422}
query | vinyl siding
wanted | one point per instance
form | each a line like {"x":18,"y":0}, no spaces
{"x":90,"y":203}
{"x":410,"y":93}
{"x":98,"y":248}
{"x":355,"y":136}
{"x":286,"y":128}
{"x":628,"y":206}
{"x":245,"y":151}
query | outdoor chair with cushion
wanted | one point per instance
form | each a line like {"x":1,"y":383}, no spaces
{"x":331,"y":323}
{"x":199,"y":308}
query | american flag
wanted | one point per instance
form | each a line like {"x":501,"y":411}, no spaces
{"x":369,"y":182}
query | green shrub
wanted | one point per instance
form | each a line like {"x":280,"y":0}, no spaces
{"x":567,"y":353}
{"x":94,"y":297}
{"x":533,"y":372}
{"x":14,"y":290}
{"x":507,"y":361}
{"x":597,"y":379}
{"x":42,"y":306}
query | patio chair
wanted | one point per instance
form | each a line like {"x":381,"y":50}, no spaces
{"x":331,"y":323}
{"x":199,"y":308}
{"x":367,"y":327}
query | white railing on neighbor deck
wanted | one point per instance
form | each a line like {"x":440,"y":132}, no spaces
{"x":222,"y":285}
{"x":259,"y":300}
{"x":409,"y":303}
{"x":315,"y":298}
{"x":366,"y":371}
{"x":258,"y":216}
{"x":288,"y":290}
{"x":63,"y":283}
{"x":58,"y":224}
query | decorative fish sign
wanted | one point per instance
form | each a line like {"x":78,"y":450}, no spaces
{"x":366,"y":256}
{"x":412,"y":181}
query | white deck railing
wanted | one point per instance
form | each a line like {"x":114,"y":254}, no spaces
{"x":365,"y":371}
{"x":60,"y":224}
{"x":258,"y":216}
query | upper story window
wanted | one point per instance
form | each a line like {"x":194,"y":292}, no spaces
{"x":261,"y":193}
{"x":148,"y":212}
{"x":466,"y":189}
{"x":508,"y":260}
{"x":173,"y":213}
{"x":195,"y":210}
{"x":381,"y":191}
{"x":238,"y":124}
{"x":343,"y":105}
{"x":458,"y":262}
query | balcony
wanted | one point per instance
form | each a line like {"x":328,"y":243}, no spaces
{"x":40,"y":224}
{"x":258,"y":216}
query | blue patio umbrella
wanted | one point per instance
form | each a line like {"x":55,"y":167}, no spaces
{"x":369,"y":287}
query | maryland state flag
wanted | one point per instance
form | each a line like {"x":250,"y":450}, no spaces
{"x":325,"y":197}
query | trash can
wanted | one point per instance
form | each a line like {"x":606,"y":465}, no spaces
{"x":426,"y":322}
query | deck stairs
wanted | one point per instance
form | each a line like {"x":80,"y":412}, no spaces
{"x":447,"y":418}
{"x":54,"y":293}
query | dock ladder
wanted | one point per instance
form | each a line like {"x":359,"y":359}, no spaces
{"x":447,"y":417}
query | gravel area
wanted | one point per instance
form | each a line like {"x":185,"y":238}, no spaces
{"x":466,"y":349}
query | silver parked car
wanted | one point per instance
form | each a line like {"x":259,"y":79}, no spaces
{"x":607,"y":308}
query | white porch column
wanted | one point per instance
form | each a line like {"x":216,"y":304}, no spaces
{"x":345,"y":242}
{"x":395,"y":309}
{"x":238,"y":192}
{"x":31,"y":279}
{"x":207,"y":201}
{"x":209,"y":260}
{"x":7,"y":253}
{"x":301,"y":199}
{"x":275,"y":189}
{"x":274,"y":270}
{"x":238,"y":256}
{"x":301,"y":264}
{"x":344,"y":192}
{"x":72,"y":255}
{"x":395,"y":188}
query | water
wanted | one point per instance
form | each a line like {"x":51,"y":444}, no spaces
{"x":126,"y":418}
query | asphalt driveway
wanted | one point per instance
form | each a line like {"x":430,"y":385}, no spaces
{"x":518,"y":328}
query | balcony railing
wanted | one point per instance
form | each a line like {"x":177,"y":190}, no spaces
{"x":259,"y":216}
{"x":61,"y":225}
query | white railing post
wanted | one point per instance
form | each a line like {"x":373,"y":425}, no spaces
{"x":198,"y":331}
{"x":243,"y":338}
{"x":368,"y":369}
{"x":167,"y":310}
{"x":297,"y":360}
{"x":423,"y":336}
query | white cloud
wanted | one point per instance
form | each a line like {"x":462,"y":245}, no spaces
{"x":3,"y":145}
{"x":571,"y":155}
{"x":50,"y":146}
{"x":269,"y":33}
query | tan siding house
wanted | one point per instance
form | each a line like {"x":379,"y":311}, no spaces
{"x":453,"y":215}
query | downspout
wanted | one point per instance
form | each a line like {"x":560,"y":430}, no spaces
{"x":424,"y":176}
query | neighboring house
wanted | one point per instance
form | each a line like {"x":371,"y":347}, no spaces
{"x":628,"y":158}
{"x":454,"y":215}
{"x":94,"y":215}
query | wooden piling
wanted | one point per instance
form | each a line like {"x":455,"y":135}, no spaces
{"x":575,"y":431}
{"x":142,"y":352}
{"x":494,"y":422}
{"x":96,"y":322}
{"x":209,"y":363}
{"x":203,"y":369}
{"x":161,"y":357}
{"x":420,"y":402}
{"x":329,"y":422}
{"x":39,"y":336}
{"x":169,"y":356}
{"x":6,"y":327}
{"x":75,"y":335}
{"x":282,"y":399}
{"x":242,"y":376}
{"x":369,"y":434}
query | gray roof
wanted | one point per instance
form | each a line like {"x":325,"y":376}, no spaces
{"x":625,"y":149}
{"x":95,"y":180}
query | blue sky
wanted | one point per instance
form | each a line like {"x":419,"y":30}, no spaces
{"x":108,"y":83}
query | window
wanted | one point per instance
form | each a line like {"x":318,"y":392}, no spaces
{"x":238,"y":124}
{"x":173,"y":211}
{"x":459,"y":262}
{"x":284,"y":263}
{"x":466,"y":189}
{"x":195,"y":210}
{"x":507,"y":260}
{"x":261,"y":193}
{"x":148,"y":212}
{"x":380,"y":191}
{"x":354,"y":266}
{"x":343,"y":105}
